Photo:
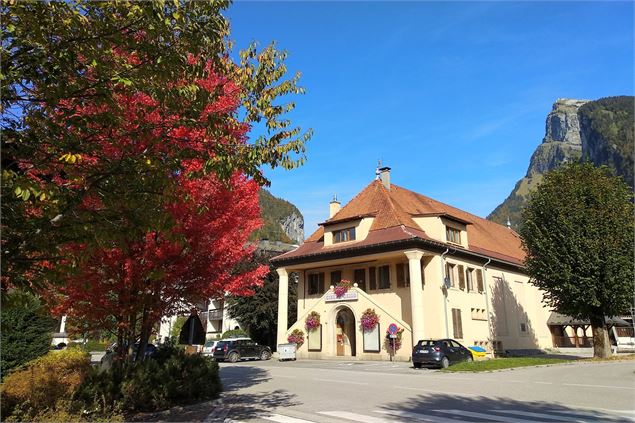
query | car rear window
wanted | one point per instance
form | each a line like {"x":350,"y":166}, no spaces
{"x":427,"y":343}
{"x":221,"y":344}
{"x":209,"y":343}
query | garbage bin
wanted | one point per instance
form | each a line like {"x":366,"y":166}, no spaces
{"x":286,"y":352}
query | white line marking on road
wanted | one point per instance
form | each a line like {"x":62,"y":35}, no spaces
{"x":416,"y":416}
{"x":544,"y":383}
{"x":593,"y":414}
{"x":287,"y":377}
{"x":599,"y":386}
{"x":494,"y":417}
{"x":537,"y":415}
{"x":283,"y":419}
{"x":355,"y":417}
{"x":341,"y":381}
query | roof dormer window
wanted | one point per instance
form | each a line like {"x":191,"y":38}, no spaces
{"x":452,"y":235}
{"x":343,"y":235}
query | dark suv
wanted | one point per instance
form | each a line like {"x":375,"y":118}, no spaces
{"x":240,"y":349}
{"x":441,"y":353}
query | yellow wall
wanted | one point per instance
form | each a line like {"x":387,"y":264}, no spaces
{"x":510,"y":301}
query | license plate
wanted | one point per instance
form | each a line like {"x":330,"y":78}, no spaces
{"x":423,"y":351}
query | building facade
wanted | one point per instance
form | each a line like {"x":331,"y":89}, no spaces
{"x":424,"y":268}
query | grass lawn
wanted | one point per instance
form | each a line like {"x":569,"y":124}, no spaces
{"x":503,"y":363}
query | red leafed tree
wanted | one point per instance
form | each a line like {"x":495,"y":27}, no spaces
{"x":164,"y":273}
{"x":170,"y":234}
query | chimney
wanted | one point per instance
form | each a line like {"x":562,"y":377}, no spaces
{"x":334,"y":206}
{"x":384,"y":176}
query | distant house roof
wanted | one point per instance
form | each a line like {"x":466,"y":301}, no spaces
{"x":557,"y":319}
{"x":393,"y":226}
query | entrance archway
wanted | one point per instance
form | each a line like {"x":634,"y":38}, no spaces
{"x":345,"y":332}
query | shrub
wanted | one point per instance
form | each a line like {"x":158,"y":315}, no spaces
{"x":43,"y":383}
{"x":25,"y":331}
{"x":312,"y":321}
{"x":170,"y":378}
{"x":234,"y":333}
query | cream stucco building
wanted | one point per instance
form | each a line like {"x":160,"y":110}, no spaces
{"x":432,"y":270}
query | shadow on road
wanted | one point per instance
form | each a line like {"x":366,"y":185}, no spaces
{"x":250,"y":405}
{"x":501,"y":409}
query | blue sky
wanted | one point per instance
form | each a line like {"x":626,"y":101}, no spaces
{"x":453,"y":96}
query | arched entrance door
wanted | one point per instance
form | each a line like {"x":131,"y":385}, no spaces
{"x":345,"y":332}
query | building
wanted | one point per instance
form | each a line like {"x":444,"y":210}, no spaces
{"x":428,"y":268}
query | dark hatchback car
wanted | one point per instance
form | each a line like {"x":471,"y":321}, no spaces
{"x":439,"y":353}
{"x":240,"y":349}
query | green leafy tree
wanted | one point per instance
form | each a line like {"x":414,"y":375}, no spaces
{"x":258,"y":313}
{"x":578,"y":232}
{"x":26,"y":330}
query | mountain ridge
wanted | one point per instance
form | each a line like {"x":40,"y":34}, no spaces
{"x":600,"y":131}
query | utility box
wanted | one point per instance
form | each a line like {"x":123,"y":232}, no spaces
{"x":286,"y":352}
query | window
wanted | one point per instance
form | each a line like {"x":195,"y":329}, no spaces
{"x":523,"y":327}
{"x":449,"y":273}
{"x":344,"y":235}
{"x":469,"y":276}
{"x":384,"y":277}
{"x":461,"y":278}
{"x":403,"y":275}
{"x":336,"y":277}
{"x":372,"y":278}
{"x":452,"y":235}
{"x":456,"y":323}
{"x":316,"y":283}
{"x":360,"y":278}
{"x":479,"y":280}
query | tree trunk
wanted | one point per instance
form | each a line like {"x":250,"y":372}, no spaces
{"x":144,"y":336}
{"x":601,"y":343}
{"x":132,"y":336}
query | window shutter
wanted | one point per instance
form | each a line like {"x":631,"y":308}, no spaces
{"x":401,"y":277}
{"x":372,"y":278}
{"x":461,"y":277}
{"x":321,"y":283}
{"x":457,"y":324}
{"x":479,"y":280}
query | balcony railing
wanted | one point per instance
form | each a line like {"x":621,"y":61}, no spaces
{"x":215,"y":315}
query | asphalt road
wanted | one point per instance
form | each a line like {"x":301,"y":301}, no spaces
{"x":376,"y":392}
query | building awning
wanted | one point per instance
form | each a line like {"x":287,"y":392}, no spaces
{"x":557,"y":319}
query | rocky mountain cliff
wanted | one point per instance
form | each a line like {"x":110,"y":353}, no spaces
{"x":601,"y":131}
{"x":282,"y":221}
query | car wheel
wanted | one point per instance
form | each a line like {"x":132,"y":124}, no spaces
{"x":233,"y":357}
{"x":417,"y":365}
{"x":265,"y":355}
{"x":469,"y":358}
{"x":445,"y":363}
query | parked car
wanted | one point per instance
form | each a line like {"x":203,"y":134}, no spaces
{"x":208,"y":348}
{"x":240,"y":349}
{"x":439,"y":353}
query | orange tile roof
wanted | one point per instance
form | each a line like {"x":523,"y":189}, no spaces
{"x":396,"y":207}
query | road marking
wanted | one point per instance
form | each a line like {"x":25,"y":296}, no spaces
{"x":544,"y":383}
{"x":494,"y":417}
{"x":355,"y":417}
{"x":283,"y":419}
{"x":287,"y":377}
{"x":599,"y":386}
{"x":341,"y":381}
{"x":538,"y":415}
{"x":416,"y":416}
